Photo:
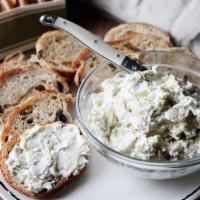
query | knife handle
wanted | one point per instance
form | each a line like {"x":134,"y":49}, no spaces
{"x":94,"y":43}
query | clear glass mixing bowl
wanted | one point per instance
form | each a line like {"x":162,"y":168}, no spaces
{"x":180,"y":65}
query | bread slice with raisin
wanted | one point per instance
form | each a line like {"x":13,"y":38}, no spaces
{"x":45,"y":106}
{"x":44,"y":158}
{"x":17,"y":83}
{"x":57,"y":50}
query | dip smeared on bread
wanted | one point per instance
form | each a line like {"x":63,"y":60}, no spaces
{"x":46,"y":153}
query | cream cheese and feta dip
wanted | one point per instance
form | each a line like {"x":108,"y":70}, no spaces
{"x":47,"y":151}
{"x":148,"y":115}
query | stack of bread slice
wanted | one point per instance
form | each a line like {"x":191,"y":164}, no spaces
{"x":8,"y":5}
{"x":34,"y":93}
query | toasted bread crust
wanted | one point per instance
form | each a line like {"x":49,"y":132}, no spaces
{"x":17,"y":70}
{"x":14,"y":60}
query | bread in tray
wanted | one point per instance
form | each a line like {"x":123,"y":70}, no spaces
{"x":116,"y":32}
{"x":57,"y":50}
{"x":43,"y":108}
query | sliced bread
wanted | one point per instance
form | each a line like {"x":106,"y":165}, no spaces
{"x":45,"y":106}
{"x":130,"y":44}
{"x":17,"y":83}
{"x":57,"y":50}
{"x":118,"y":31}
{"x":45,"y":158}
{"x":17,"y":60}
{"x":87,"y":60}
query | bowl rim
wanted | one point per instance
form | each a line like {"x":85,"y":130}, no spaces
{"x":117,"y":155}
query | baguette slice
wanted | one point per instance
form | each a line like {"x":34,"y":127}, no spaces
{"x":124,"y":48}
{"x":143,"y":42}
{"x":57,"y":50}
{"x":17,"y":83}
{"x":46,"y":106}
{"x":122,"y":29}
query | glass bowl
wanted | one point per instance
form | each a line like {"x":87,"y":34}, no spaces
{"x":180,"y":65}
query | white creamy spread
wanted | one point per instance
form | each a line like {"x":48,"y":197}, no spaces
{"x":48,"y":151}
{"x":149,"y":115}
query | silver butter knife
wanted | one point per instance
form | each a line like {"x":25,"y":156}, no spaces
{"x":94,"y":43}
